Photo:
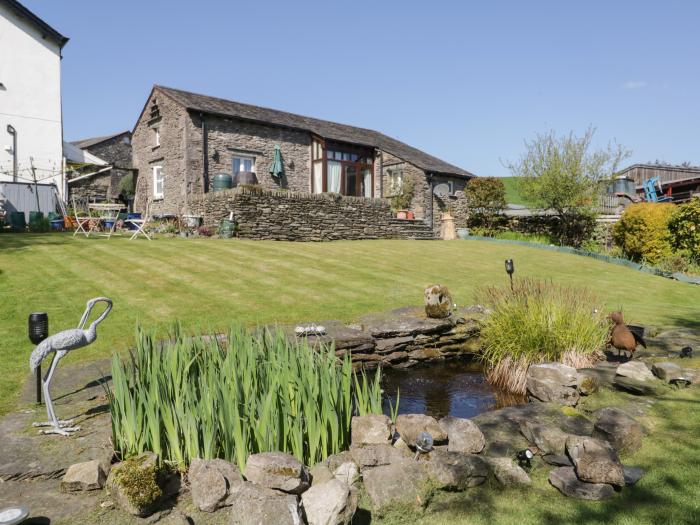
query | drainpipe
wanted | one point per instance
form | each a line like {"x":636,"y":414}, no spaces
{"x":430,"y":202}
{"x":12,"y":131}
{"x":205,"y":154}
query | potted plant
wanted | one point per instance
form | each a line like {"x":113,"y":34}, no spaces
{"x":402,"y":200}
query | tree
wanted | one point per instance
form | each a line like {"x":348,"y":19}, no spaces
{"x":563,"y":174}
{"x":486,"y":196}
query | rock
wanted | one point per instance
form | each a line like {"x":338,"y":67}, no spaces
{"x":320,"y":473}
{"x":667,"y":371}
{"x":621,"y":430}
{"x":277,"y":470}
{"x":213,"y":482}
{"x":588,"y":384}
{"x":403,"y":482}
{"x":403,"y":324}
{"x":632,"y":474}
{"x":603,"y":371}
{"x":456,"y":471}
{"x":692,"y":375}
{"x":402,"y":446}
{"x":375,"y":455}
{"x":329,"y":503}
{"x":348,"y":473}
{"x":636,"y":370}
{"x":507,"y":472}
{"x":256,"y":505}
{"x":557,"y":460}
{"x":549,"y":391}
{"x":635,"y":386}
{"x":462,"y":435}
{"x":336,"y":460}
{"x":560,"y":373}
{"x":438,"y":302}
{"x":137,"y":485}
{"x":372,"y":429}
{"x":84,"y":476}
{"x":409,"y":426}
{"x":549,"y":439}
{"x":564,"y":479}
{"x":595,"y":461}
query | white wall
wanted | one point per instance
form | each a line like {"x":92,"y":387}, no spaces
{"x":30,"y":70}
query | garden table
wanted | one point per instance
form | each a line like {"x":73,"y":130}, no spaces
{"x":106,"y":212}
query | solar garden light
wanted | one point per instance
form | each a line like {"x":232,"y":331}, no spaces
{"x":13,"y":515}
{"x":524,"y":458}
{"x":510,"y":269}
{"x":38,"y":331}
{"x":686,"y":351}
{"x":424,"y":443}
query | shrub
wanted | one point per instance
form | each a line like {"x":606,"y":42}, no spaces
{"x":402,"y":200}
{"x":40,"y":225}
{"x":539,"y":322}
{"x":642,"y":231}
{"x":195,"y":397}
{"x":486,"y":196}
{"x":527,"y":237}
{"x":684,"y":229}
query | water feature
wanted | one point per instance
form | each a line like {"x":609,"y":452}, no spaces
{"x":455,"y":388}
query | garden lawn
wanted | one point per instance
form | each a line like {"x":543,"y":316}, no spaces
{"x":209,"y":283}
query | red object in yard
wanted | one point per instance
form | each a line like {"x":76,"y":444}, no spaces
{"x":410,"y":216}
{"x":401,"y":214}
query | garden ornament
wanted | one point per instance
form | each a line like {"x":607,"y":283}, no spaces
{"x":686,"y":351}
{"x":62,"y":343}
{"x":424,"y":443}
{"x":622,"y":337}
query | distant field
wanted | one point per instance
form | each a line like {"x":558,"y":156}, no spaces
{"x":209,"y":283}
{"x":512,"y":194}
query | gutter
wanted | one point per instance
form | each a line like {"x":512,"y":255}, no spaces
{"x":12,"y":131}
{"x":89,"y":175}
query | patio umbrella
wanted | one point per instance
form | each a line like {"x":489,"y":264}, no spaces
{"x":276,"y":168}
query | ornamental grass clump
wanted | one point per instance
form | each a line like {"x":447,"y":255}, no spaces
{"x":539,"y":322}
{"x":196,"y":397}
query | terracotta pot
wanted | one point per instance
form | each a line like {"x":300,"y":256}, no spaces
{"x":69,"y":222}
{"x":410,"y":216}
{"x":401,"y":214}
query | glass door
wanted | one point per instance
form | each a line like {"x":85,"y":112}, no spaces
{"x":352,"y":181}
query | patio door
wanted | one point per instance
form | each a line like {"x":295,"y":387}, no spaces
{"x":352,"y":181}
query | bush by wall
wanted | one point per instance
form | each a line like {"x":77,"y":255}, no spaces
{"x":642,"y":231}
{"x":684,"y":229}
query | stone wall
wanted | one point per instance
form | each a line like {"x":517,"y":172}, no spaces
{"x":421,"y":186}
{"x":116,"y":151}
{"x":285,"y":215}
{"x":100,"y":187}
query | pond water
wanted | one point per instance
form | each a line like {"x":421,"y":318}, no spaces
{"x":448,"y":388}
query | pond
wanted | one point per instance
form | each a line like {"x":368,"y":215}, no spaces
{"x":447,"y":388}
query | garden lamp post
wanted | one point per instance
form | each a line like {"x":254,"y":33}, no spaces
{"x":510,"y":269}
{"x":38,"y":331}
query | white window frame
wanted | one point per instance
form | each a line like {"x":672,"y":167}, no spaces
{"x":156,"y":136}
{"x":243,"y":157}
{"x":158,"y":174}
{"x":396,"y":178}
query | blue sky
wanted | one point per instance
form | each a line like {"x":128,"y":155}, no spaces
{"x":465,"y":81}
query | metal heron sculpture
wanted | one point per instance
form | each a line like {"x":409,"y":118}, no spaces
{"x":62,"y":343}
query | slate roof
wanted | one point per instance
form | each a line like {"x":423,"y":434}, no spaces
{"x":322,"y":128}
{"x":43,"y":27}
{"x":87,"y":143}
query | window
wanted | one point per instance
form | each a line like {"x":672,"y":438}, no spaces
{"x":395,"y":180}
{"x":156,"y":137}
{"x":451,"y":186}
{"x":157,"y":182}
{"x":242,"y":163}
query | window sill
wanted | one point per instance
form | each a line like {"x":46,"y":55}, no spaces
{"x":154,"y":148}
{"x":157,"y":199}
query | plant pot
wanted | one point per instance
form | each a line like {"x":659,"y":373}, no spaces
{"x":402,"y":214}
{"x":131,"y":225}
{"x":69,"y":223}
{"x":462,"y":233}
{"x":109,"y":225}
{"x":57,"y":225}
{"x":410,"y":215}
{"x":192,"y":221}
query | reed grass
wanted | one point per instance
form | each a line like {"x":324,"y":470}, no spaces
{"x":539,"y":322}
{"x":198,"y":397}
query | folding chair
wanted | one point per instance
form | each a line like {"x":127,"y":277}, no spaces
{"x":81,"y":216}
{"x":142,"y":223}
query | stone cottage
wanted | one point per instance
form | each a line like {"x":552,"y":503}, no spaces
{"x":182,"y":140}
{"x":102,"y":181}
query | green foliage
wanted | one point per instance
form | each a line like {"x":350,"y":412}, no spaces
{"x":537,"y":322}
{"x":486,"y":196}
{"x":684,"y":229}
{"x":642,"y":231}
{"x":402,"y":200}
{"x":527,"y":237}
{"x":127,"y":186}
{"x":40,"y":225}
{"x":259,"y":392}
{"x":562,"y":174}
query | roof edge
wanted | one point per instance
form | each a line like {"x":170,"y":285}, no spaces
{"x":45,"y":28}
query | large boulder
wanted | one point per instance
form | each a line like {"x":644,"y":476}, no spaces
{"x":564,"y":479}
{"x":277,"y":470}
{"x":213,"y":483}
{"x":348,"y":473}
{"x":256,"y":505}
{"x":403,"y":482}
{"x":438,"y":301}
{"x":552,"y":383}
{"x":595,"y":461}
{"x":637,"y":387}
{"x":456,"y":471}
{"x":618,"y":428}
{"x":507,"y":472}
{"x":375,"y":455}
{"x":548,"y":438}
{"x":632,"y":474}
{"x":462,"y":435}
{"x":636,"y":370}
{"x":372,"y":429}
{"x":667,"y":371}
{"x":410,"y":426}
{"x":320,"y":473}
{"x":329,"y":503}
{"x":84,"y":476}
